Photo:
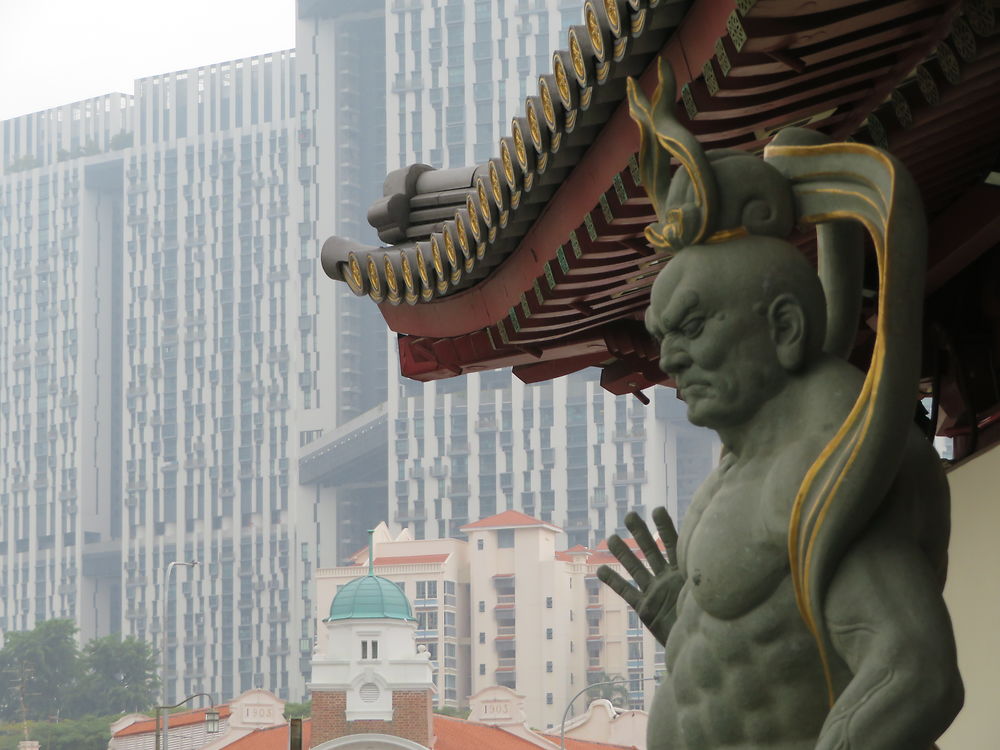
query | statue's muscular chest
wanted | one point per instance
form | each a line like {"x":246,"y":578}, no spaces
{"x":735,"y":554}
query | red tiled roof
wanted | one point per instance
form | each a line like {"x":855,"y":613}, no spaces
{"x":571,"y":554}
{"x":408,"y":559}
{"x":450,"y":734}
{"x":272,"y":738}
{"x":176,"y":720}
{"x":456,"y":734}
{"x":507,"y":519}
{"x":572,"y":744}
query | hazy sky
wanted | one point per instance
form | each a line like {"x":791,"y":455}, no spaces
{"x":54,"y":52}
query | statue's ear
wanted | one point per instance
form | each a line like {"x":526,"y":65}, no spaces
{"x":787,"y":321}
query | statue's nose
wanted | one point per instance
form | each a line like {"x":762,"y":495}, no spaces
{"x":673,"y":358}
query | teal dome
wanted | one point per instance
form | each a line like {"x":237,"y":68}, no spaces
{"x":370,"y":596}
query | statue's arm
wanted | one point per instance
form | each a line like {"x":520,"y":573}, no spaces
{"x":889,"y":625}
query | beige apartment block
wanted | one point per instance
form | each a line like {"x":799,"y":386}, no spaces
{"x":525,"y":614}
{"x":544,"y":625}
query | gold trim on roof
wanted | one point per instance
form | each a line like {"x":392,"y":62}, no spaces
{"x":470,"y":206}
{"x":355,"y":276}
{"x":409,"y":282}
{"x":449,"y":250}
{"x":484,"y":203}
{"x":508,"y":164}
{"x":611,"y":8}
{"x":576,"y":54}
{"x":548,"y":109}
{"x":391,"y":282}
{"x":562,"y":81}
{"x":519,"y":148}
{"x":534,"y":129}
{"x":374,"y":280}
{"x":426,"y":287}
{"x":594,"y":31}
{"x":438,"y":263}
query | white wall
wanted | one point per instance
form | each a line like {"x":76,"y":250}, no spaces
{"x":973,"y":597}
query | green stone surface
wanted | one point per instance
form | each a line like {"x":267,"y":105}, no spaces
{"x":370,"y":597}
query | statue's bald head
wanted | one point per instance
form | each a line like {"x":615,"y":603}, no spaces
{"x":755,"y":272}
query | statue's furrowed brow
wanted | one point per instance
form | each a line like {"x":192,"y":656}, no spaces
{"x":677,"y":309}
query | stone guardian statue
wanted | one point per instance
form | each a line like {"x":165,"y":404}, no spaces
{"x":801,"y":606}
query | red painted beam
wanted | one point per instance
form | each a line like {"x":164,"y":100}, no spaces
{"x":907,"y":63}
{"x":967,"y":229}
{"x":480,"y":306}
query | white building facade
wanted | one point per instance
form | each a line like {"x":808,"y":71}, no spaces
{"x":62,"y":239}
{"x":565,"y":451}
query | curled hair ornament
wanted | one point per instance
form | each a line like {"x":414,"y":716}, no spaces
{"x":846,"y":485}
{"x":661,"y":136}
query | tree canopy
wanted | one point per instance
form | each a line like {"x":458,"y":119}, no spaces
{"x":88,"y":733}
{"x":44,"y":675}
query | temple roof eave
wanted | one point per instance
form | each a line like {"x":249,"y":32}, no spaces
{"x":881,"y":75}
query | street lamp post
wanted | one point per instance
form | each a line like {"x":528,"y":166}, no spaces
{"x":163,"y":640}
{"x":211,"y":718}
{"x":616,"y":681}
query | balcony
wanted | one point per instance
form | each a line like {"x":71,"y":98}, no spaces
{"x":636,"y":433}
{"x":629,"y":476}
{"x":505,"y":633}
{"x":418,"y":513}
{"x":506,"y":663}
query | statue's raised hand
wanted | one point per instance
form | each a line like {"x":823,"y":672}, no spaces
{"x":654,"y":596}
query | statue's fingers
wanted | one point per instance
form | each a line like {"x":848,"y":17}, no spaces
{"x":638,"y":571}
{"x":620,"y":586}
{"x":668,"y":533}
{"x":640,"y":532}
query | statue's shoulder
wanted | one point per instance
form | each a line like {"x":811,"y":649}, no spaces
{"x":829,"y":392}
{"x":838,"y":380}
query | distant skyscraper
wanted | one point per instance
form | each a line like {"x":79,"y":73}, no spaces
{"x":167,"y":350}
{"x":62,"y":296}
